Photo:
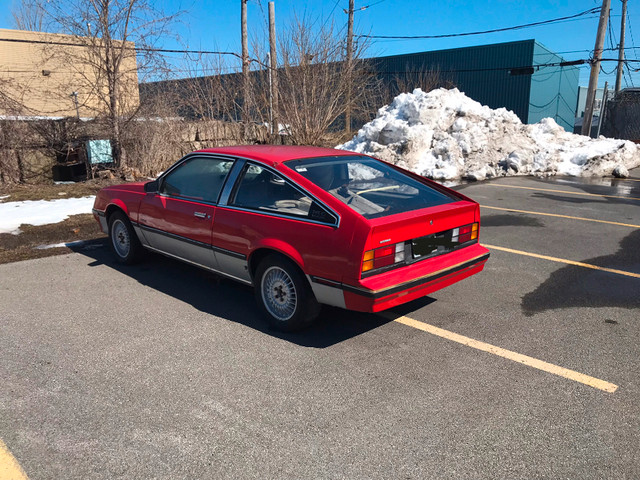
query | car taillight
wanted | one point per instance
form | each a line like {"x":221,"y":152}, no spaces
{"x":465,"y":234}
{"x":383,"y":257}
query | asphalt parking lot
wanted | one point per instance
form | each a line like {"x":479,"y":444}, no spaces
{"x":527,"y":370}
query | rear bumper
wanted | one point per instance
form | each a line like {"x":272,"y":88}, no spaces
{"x":416,"y":282}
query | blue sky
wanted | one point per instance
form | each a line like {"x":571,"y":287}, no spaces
{"x":215,"y":25}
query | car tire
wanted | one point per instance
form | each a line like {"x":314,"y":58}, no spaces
{"x":284,"y":295}
{"x":123,"y":240}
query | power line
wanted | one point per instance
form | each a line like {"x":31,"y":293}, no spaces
{"x":631,"y":33}
{"x":559,"y":53}
{"x":516,"y":70}
{"x":566,"y":103}
{"x":614,"y":45}
{"x":212,"y":52}
{"x":362,"y":8}
{"x":535,"y":68}
{"x":635,"y":54}
{"x":615,"y":60}
{"x":542,"y":107}
{"x":332,"y":10}
{"x":124,"y":47}
{"x":371,"y":5}
{"x":390,"y":40}
{"x":516,"y":27}
{"x":502,"y":69}
{"x":578,"y":63}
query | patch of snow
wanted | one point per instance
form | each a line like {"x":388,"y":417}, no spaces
{"x":41,"y":212}
{"x":445,"y":135}
{"x":2,"y":197}
{"x":38,"y":118}
{"x":620,"y":172}
{"x":61,"y":245}
{"x":283,"y":129}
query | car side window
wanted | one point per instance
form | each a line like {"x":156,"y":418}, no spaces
{"x":198,"y":179}
{"x":262,"y":189}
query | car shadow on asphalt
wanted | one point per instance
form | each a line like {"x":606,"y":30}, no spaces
{"x":623,"y":193}
{"x":577,"y":200}
{"x":232,"y":301}
{"x":574,"y":286}
{"x":626,"y":191}
{"x":597,"y":185}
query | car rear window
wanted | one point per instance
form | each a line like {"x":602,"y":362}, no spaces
{"x":370,"y":187}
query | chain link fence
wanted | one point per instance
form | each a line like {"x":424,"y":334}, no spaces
{"x":622,"y":116}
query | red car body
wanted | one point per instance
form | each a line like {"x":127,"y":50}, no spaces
{"x":328,"y":246}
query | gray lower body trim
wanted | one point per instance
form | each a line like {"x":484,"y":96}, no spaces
{"x":236,"y":266}
{"x":205,"y":267}
{"x":194,"y":252}
{"x":102,"y":218}
{"x":327,"y":294}
{"x":140,"y":234}
{"x":219,"y":260}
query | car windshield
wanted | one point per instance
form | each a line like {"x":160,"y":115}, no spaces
{"x":370,"y":187}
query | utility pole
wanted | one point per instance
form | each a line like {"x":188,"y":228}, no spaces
{"x":595,"y":68}
{"x":273,"y":69}
{"x":245,"y":61}
{"x":347,"y":113}
{"x":603,"y":107}
{"x":623,"y":24}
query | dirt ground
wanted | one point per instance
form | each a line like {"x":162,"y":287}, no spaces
{"x":25,"y":245}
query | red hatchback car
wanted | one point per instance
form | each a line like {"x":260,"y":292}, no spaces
{"x":304,"y":225}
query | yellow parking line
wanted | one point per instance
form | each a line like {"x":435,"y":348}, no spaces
{"x":561,"y":216}
{"x":563,"y":260}
{"x":508,"y":354}
{"x":10,"y":469}
{"x":562,"y":191}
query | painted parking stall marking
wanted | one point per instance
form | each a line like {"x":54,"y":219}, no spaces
{"x":508,"y":354}
{"x":560,"y":216}
{"x":10,"y":469}
{"x":562,"y":191}
{"x":563,"y":260}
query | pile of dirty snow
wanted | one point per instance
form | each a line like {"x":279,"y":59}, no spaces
{"x":445,"y":135}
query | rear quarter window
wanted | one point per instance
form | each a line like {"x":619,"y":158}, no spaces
{"x":262,"y":189}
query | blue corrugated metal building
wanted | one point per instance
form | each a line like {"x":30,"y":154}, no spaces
{"x":514,"y":75}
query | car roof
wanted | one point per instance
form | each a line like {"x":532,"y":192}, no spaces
{"x":272,"y":154}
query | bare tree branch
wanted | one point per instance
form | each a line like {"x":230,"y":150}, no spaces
{"x":105,"y":61}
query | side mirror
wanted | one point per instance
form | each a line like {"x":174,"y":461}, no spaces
{"x":151,"y":187}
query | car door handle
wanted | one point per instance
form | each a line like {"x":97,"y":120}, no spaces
{"x":200,"y":214}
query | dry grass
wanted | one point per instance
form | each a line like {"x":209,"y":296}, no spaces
{"x":52,"y":191}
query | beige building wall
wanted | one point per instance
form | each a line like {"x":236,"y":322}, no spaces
{"x":39,"y":79}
